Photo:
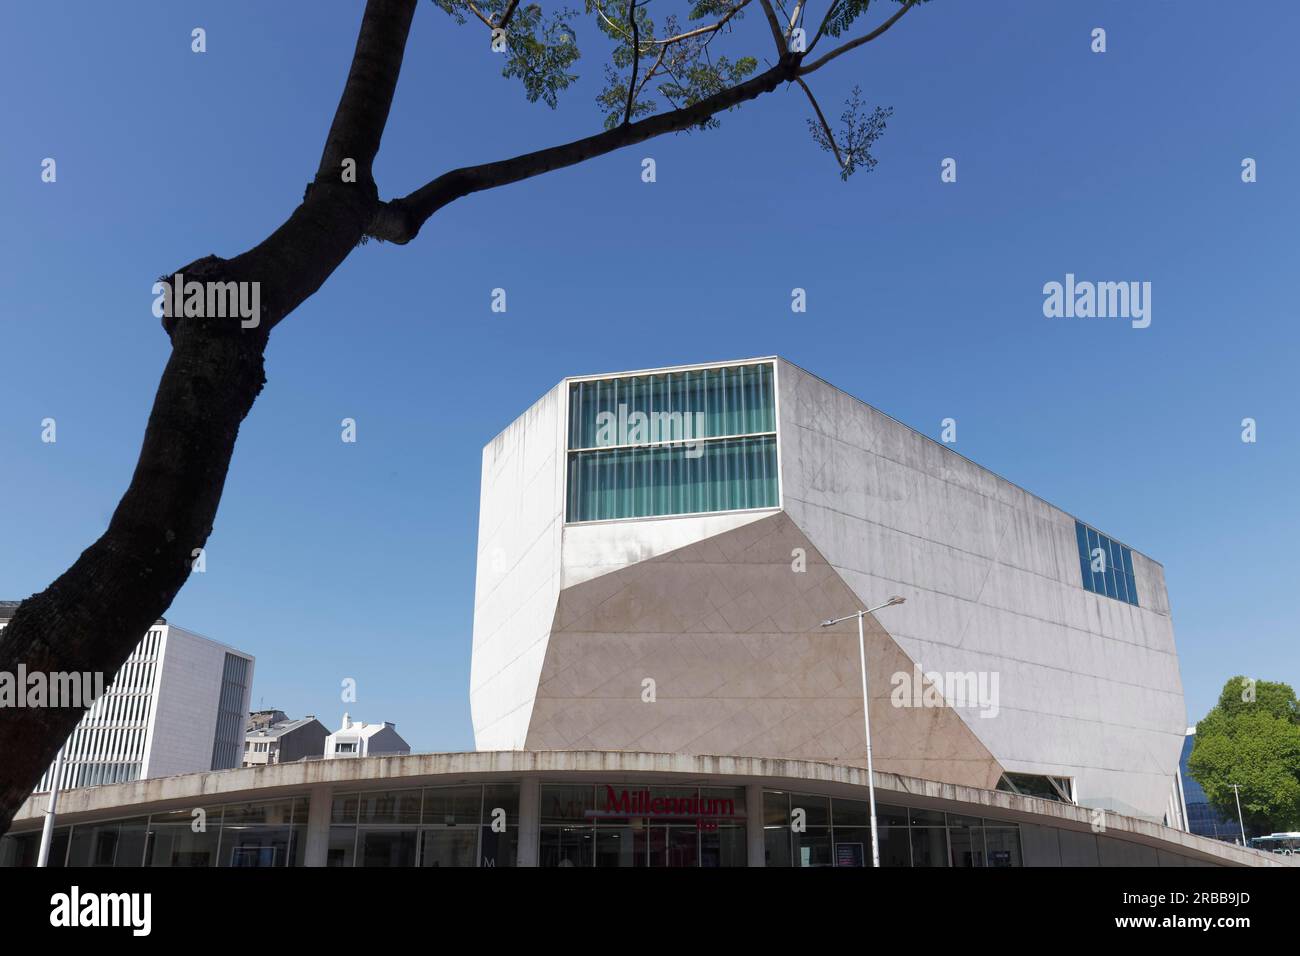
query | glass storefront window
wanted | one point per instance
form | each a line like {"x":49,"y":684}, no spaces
{"x":1003,"y":845}
{"x":776,"y":809}
{"x":621,"y":846}
{"x":449,"y":846}
{"x":499,"y":848}
{"x":967,"y":845}
{"x":175,"y":842}
{"x":392,"y":806}
{"x":674,"y":846}
{"x":342,"y":846}
{"x":566,"y":804}
{"x":725,"y":846}
{"x":116,"y":843}
{"x":453,"y":805}
{"x":385,"y":846}
{"x":261,"y":846}
{"x":345,"y":807}
{"x":816,"y":810}
{"x":930,"y":846}
{"x":504,"y":797}
{"x":906,"y":836}
{"x":566,"y":846}
{"x":895,"y":846}
{"x":813,"y":847}
{"x":776,"y":846}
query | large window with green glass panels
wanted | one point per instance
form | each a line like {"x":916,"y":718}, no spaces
{"x":672,"y":443}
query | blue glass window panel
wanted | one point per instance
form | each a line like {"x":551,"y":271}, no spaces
{"x":1098,"y":581}
{"x":1118,"y":580}
{"x":1121,"y":585}
{"x":1081,"y":537}
{"x":1110,"y":552}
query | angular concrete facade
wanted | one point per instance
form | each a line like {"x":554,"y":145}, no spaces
{"x":721,"y":611}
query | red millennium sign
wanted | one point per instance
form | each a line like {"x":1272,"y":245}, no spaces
{"x":704,"y":812}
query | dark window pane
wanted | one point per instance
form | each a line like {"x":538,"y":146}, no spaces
{"x":341,"y":847}
{"x":812,"y":848}
{"x":449,"y":805}
{"x":725,"y":846}
{"x":851,"y":813}
{"x":386,"y":847}
{"x":566,"y":804}
{"x":503,"y":797}
{"x":499,"y":849}
{"x":344,"y":808}
{"x":1003,"y":846}
{"x":622,"y":846}
{"x":929,"y":846}
{"x":566,"y":846}
{"x":450,"y":846}
{"x":927,"y":818}
{"x":817,"y":810}
{"x":255,"y":846}
{"x":393,"y":806}
{"x":966,"y":846}
{"x":776,"y":845}
{"x":776,"y":809}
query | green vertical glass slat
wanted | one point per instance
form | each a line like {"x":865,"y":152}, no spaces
{"x":730,"y":474}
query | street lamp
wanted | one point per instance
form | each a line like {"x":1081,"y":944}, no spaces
{"x":866,"y":714}
{"x":1235,"y":789}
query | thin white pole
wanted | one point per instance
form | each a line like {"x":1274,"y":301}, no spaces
{"x":866,"y":722}
{"x":1239,"y":821}
{"x":48,"y":832}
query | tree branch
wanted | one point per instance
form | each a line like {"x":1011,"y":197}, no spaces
{"x":636,"y":61}
{"x":782,"y":48}
{"x":711,"y":28}
{"x":510,"y":11}
{"x":826,"y":127}
{"x":794,"y":17}
{"x":400,"y":220}
{"x":854,"y":44}
{"x":487,"y":21}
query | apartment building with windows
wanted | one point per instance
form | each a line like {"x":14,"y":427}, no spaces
{"x":356,"y":738}
{"x":272,"y":737}
{"x":178,"y":704}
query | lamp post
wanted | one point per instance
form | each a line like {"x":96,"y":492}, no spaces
{"x":866,"y":714}
{"x":47,"y":831}
{"x":1237,"y":792}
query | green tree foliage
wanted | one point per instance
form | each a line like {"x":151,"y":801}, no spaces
{"x":692,"y":50}
{"x":1252,"y":738}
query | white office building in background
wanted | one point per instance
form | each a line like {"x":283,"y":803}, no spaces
{"x":177,"y":705}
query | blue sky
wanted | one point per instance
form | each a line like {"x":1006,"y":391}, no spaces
{"x":332,"y":560}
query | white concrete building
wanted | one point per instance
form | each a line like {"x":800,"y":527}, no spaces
{"x":177,"y":705}
{"x":356,"y":738}
{"x":657,"y":550}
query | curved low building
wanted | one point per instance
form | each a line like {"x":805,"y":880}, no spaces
{"x":585,"y":808}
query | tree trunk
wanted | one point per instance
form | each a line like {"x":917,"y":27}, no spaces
{"x":99,"y":609}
